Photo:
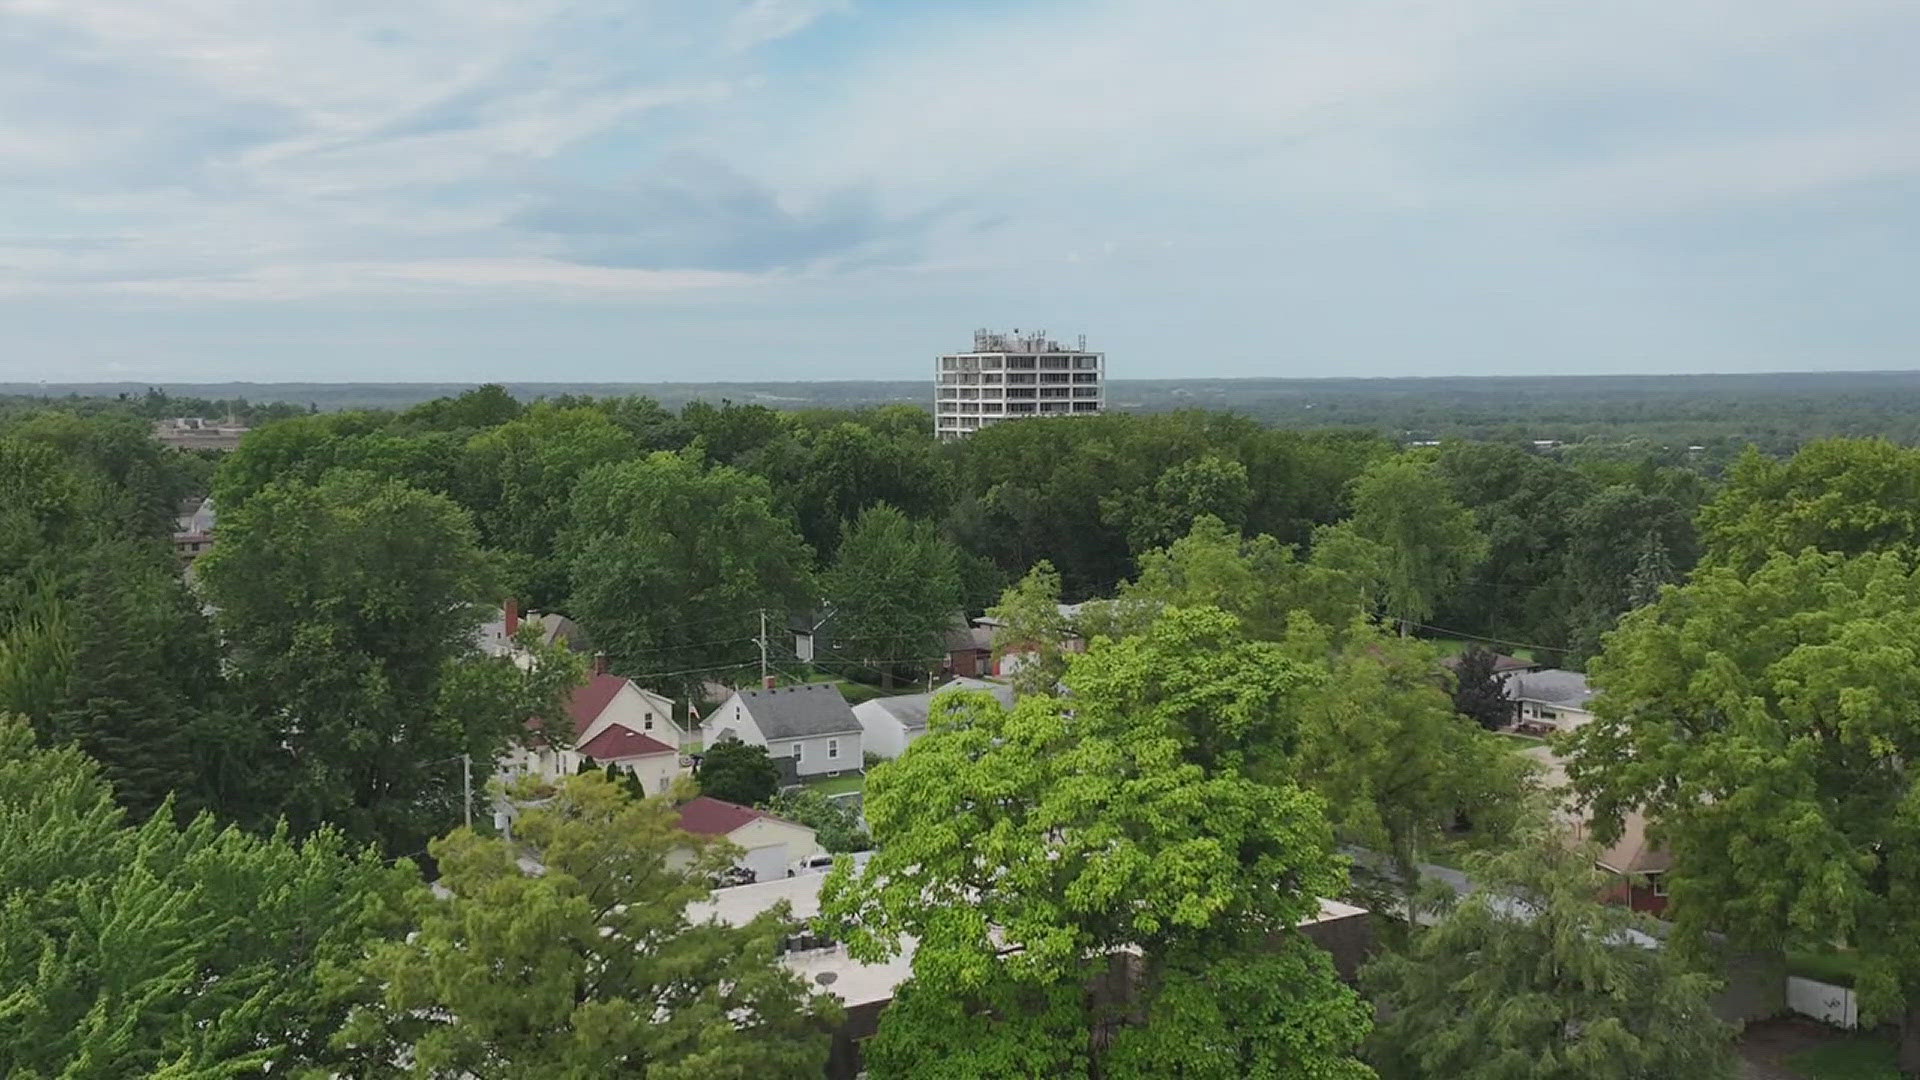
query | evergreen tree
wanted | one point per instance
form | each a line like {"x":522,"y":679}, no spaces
{"x":1479,"y":690}
{"x":1654,"y":569}
{"x":738,"y":772}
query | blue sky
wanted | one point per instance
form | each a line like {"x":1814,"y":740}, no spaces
{"x":755,"y":189}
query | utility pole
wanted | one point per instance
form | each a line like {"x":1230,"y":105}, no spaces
{"x":466,"y":786}
{"x":763,"y":647}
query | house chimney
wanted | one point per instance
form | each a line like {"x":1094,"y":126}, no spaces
{"x":767,"y":681}
{"x":510,"y":615}
{"x":599,"y":663}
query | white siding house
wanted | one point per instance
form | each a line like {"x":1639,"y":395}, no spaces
{"x":889,"y":725}
{"x":811,"y":726}
{"x":770,"y":845}
{"x":608,"y":719}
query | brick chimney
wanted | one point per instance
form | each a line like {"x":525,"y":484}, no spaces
{"x":510,"y":615}
{"x":768,"y":681}
{"x":599,"y":663}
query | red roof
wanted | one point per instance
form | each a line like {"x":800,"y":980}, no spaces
{"x":618,"y":743}
{"x":591,"y":700}
{"x":716,"y":817}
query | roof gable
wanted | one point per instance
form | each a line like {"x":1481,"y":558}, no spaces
{"x":592,"y":699}
{"x":617,"y":743}
{"x":912,"y":710}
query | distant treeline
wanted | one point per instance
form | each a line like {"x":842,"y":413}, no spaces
{"x":1719,"y":413}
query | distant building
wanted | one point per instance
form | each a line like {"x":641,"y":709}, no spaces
{"x":198,"y":433}
{"x":193,"y":530}
{"x":1011,"y":375}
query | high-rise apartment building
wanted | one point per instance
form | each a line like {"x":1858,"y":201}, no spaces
{"x":1014,"y":375}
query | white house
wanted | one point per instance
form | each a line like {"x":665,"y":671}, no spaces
{"x":609,"y":719}
{"x":1550,"y":697}
{"x":771,"y":845}
{"x":888,"y":725}
{"x":810,"y":726}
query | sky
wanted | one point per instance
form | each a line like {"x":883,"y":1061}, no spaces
{"x":702,"y":190}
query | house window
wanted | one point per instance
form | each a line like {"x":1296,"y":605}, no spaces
{"x":1549,"y":714}
{"x":796,"y":750}
{"x":1657,"y":883}
{"x":833,"y":749}
{"x":648,"y":723}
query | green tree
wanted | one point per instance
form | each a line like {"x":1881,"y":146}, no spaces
{"x":738,"y":772}
{"x":834,"y":823}
{"x":895,"y":591}
{"x":1653,"y":570}
{"x":349,"y":610}
{"x":1763,"y":722}
{"x":166,"y":950}
{"x":673,"y":564}
{"x":1479,"y":690}
{"x":1398,"y":766}
{"x":519,"y":482}
{"x":847,"y":468}
{"x":1525,"y":504}
{"x":591,"y":967}
{"x":1208,"y":486}
{"x":1842,"y":495}
{"x":1030,"y":625}
{"x":1111,"y":886}
{"x":1260,"y":580}
{"x":1428,"y":540}
{"x":1531,"y":977}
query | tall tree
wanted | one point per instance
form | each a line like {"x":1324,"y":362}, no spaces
{"x":1479,"y":690}
{"x":1028,"y":852}
{"x":738,"y":772}
{"x":165,"y":950}
{"x":1428,"y":540}
{"x":1207,"y":486}
{"x":1531,"y":977}
{"x":674,"y":563}
{"x":520,"y":478}
{"x":1030,"y":626}
{"x":1399,"y":768}
{"x":1842,"y":495}
{"x":349,"y":609}
{"x":1763,"y":722}
{"x":1259,"y":579}
{"x":590,"y":967}
{"x":895,"y":591}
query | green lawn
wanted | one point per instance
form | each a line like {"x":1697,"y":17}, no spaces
{"x":839,"y":785}
{"x":1859,"y":1057}
{"x":857,"y":692}
{"x":1835,"y":966}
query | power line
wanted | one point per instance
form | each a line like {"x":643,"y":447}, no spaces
{"x":1491,"y":640}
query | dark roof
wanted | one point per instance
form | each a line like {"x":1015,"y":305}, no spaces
{"x":963,"y":637}
{"x":800,"y":712}
{"x":709,"y":816}
{"x":912,"y":709}
{"x":619,"y":743}
{"x":1551,"y":686}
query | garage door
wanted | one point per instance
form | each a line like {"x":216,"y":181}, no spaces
{"x":767,"y":863}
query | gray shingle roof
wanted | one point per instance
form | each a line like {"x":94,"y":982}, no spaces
{"x":911,"y":709}
{"x":799,"y":712}
{"x":1552,"y":686}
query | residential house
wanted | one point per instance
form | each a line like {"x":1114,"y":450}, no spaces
{"x":810,"y":728}
{"x":770,"y":845}
{"x":812,"y":634}
{"x":969,"y":650}
{"x":610,"y":720}
{"x":1007,"y":660}
{"x":888,"y":725}
{"x":1550,"y":699}
{"x":193,"y":530}
{"x":1635,"y":865}
{"x":1502,"y":664}
{"x":495,"y":636}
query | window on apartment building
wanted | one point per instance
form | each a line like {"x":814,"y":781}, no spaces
{"x":833,"y":749}
{"x":797,"y":748}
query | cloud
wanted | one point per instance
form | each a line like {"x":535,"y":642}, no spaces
{"x":699,"y":214}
